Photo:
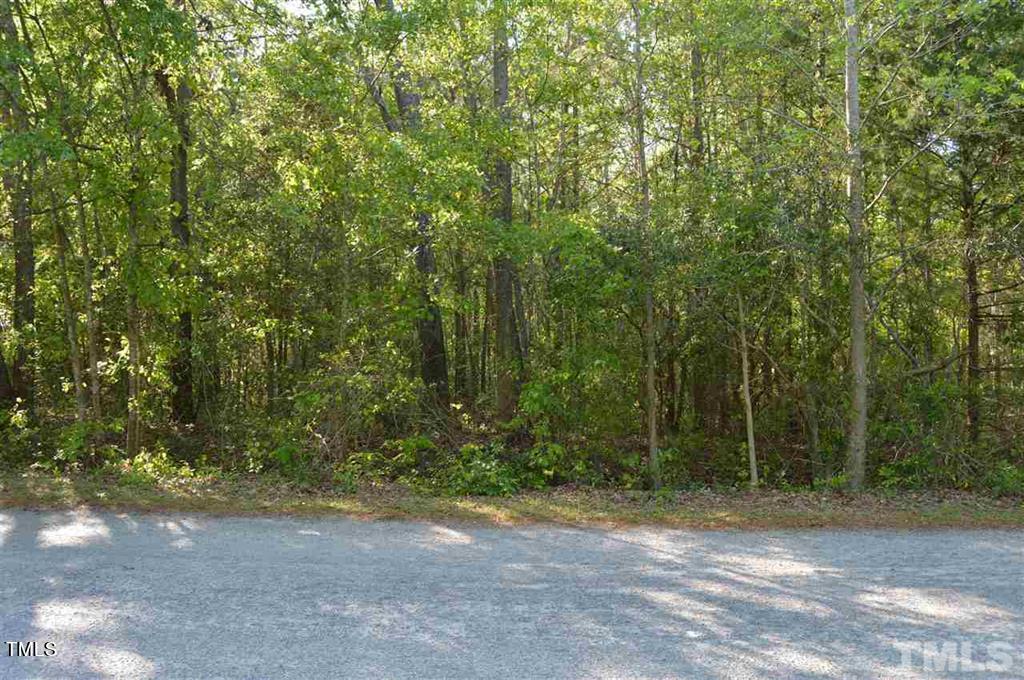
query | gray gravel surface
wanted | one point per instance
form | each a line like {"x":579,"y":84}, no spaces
{"x":178,"y":596}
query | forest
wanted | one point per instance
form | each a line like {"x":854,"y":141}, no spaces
{"x":482,"y":246}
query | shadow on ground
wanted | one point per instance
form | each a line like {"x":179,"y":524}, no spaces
{"x":189,"y":596}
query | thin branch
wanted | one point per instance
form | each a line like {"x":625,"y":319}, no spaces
{"x":908,"y":161}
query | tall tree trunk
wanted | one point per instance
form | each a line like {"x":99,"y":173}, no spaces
{"x":133,"y":428}
{"x":522,"y":324}
{"x":811,"y":388}
{"x":270,"y":362}
{"x":670,"y":365}
{"x":818,"y":339}
{"x":701,"y":385}
{"x":748,"y":409}
{"x":60,"y":239}
{"x":464,"y":383}
{"x":968,"y":218}
{"x":650,"y":360}
{"x":17,"y":182}
{"x":433,"y":357}
{"x":857,"y":451}
{"x":131,"y":95}
{"x":507,"y":359}
{"x":929,"y":287}
{"x":487,"y":323}
{"x":178,"y":100}
{"x":819,"y":470}
{"x":91,"y":318}
{"x":6,"y":388}
{"x":697,"y":101}
{"x":430,"y":327}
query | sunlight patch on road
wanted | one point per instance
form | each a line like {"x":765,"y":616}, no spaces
{"x":800,"y":660}
{"x":73,"y":616}
{"x":774,"y":566}
{"x":677,"y":601}
{"x":88,"y":633}
{"x":81,"y":528}
{"x":742,"y":589}
{"x":690,"y":609}
{"x":119,"y":663}
{"x":447,"y":536}
{"x":661,"y":545}
{"x":178,"y":529}
{"x":6,"y":527}
{"x":934,"y":604}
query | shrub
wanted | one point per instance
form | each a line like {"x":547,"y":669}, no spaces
{"x":148,"y":467}
{"x":916,"y":471}
{"x":1006,"y":479}
{"x":72,"y":442}
{"x":674,"y":466}
{"x":544,"y":464}
{"x":17,"y":434}
{"x":413,"y":457}
{"x":482,"y":470}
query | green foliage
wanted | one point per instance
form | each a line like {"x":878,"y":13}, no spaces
{"x":916,"y":471}
{"x":727,"y":460}
{"x":359,"y":468}
{"x":290,"y":457}
{"x":833,"y":483}
{"x":18,"y":434}
{"x":675,"y":468}
{"x":411,"y":460}
{"x":547,"y":463}
{"x":74,"y":441}
{"x":149,"y":467}
{"x":330,"y":224}
{"x":1007,"y":479}
{"x":482,"y":470}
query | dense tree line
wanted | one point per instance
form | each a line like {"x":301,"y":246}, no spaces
{"x":633,"y":242}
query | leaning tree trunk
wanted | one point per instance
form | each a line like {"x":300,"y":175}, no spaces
{"x":857,"y":451}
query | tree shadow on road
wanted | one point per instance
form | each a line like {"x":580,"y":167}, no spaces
{"x":183,"y":596}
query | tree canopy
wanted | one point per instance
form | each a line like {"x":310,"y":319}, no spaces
{"x":504,"y":244}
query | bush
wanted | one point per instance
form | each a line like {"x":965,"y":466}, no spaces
{"x":836,"y":482}
{"x":292,"y":460}
{"x":545,"y":464}
{"x":481,"y":470}
{"x":148,"y":467}
{"x":413,"y":457}
{"x":484,"y":469}
{"x":1006,"y":479}
{"x":18,"y":437}
{"x":916,"y":471}
{"x":674,"y":466}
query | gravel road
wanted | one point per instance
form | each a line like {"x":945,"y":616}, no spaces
{"x":181,"y":596}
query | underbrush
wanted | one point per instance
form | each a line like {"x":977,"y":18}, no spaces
{"x":480,"y":469}
{"x":460,"y":457}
